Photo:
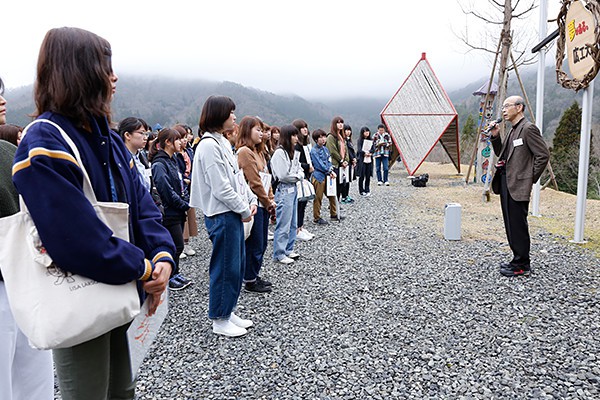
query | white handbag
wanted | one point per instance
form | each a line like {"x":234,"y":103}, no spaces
{"x":55,"y":308}
{"x":306,"y":191}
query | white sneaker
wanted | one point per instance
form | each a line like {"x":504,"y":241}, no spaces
{"x":285,"y":260}
{"x":270,"y":236}
{"x":242,"y":323}
{"x":379,"y":183}
{"x":182,"y":256}
{"x":302,"y":235}
{"x":294,"y":256}
{"x":308,"y":233}
{"x":367,"y":194}
{"x":387,"y":183}
{"x":187,"y":250}
{"x":227,"y":328}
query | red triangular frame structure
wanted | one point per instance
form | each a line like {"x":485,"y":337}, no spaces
{"x":419,"y":115}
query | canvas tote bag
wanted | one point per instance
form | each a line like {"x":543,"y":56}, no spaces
{"x":306,"y":191}
{"x":55,"y":308}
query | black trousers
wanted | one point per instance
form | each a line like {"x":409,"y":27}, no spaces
{"x":301,"y":210}
{"x":175,"y":227}
{"x":514,"y":214}
{"x":365,"y":178}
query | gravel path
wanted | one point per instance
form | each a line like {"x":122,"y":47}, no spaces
{"x":380,"y":306}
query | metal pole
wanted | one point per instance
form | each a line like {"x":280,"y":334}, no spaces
{"x":584,"y":161}
{"x":539,"y":98}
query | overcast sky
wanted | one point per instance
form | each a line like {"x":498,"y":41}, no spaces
{"x":312,"y":48}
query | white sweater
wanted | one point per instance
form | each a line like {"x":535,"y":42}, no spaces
{"x":284,"y":169}
{"x":213,"y":187}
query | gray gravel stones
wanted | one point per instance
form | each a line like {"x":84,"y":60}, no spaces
{"x":382,"y":307}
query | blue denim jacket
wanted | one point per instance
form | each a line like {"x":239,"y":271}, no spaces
{"x":321,"y":162}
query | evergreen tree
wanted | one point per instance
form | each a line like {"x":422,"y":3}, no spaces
{"x":565,"y":154}
{"x":467,"y":139}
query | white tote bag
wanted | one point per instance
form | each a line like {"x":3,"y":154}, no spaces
{"x":55,"y":308}
{"x":306,"y":191}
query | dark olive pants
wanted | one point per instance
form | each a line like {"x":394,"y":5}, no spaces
{"x":99,"y":369}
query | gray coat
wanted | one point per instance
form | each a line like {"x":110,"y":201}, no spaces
{"x":525,"y":162}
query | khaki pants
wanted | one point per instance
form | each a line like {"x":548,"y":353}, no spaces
{"x":319,"y":192}
{"x":191,"y":225}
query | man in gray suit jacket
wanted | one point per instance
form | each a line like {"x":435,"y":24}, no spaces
{"x":522,"y":158}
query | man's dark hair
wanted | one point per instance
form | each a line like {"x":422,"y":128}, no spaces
{"x":317,"y":133}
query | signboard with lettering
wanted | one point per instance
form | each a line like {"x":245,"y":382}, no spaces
{"x":579,"y":39}
{"x":579,"y":32}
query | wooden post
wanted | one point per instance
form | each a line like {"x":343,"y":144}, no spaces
{"x":487,"y":94}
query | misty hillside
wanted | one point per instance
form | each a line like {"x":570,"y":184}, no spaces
{"x":167,"y":101}
{"x":556,"y":99}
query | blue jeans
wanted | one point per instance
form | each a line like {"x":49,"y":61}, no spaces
{"x":287,"y":220}
{"x":256,"y":244}
{"x":378,"y":162}
{"x":226,"y":269}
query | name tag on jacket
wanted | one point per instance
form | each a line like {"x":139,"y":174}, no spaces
{"x":518,"y":142}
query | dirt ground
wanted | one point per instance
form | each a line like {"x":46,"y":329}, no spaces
{"x":484,"y":219}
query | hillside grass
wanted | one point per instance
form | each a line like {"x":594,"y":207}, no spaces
{"x":484,"y":219}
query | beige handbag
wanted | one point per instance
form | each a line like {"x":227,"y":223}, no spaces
{"x":55,"y":308}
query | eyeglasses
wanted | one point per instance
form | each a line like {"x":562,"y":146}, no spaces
{"x":509,"y":105}
{"x":144,"y":134}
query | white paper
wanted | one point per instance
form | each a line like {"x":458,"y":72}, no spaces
{"x":265,"y":178}
{"x":518,"y":142}
{"x":367,"y":144}
{"x":143,"y":331}
{"x":242,"y":187}
{"x":307,"y":154}
{"x":331,"y":189}
{"x":344,"y":174}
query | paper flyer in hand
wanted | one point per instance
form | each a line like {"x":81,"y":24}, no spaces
{"x":143,"y":331}
{"x":331,"y":189}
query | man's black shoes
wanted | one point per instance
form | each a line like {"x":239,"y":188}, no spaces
{"x":510,"y":271}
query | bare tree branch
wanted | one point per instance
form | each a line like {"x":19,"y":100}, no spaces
{"x":472,"y":47}
{"x":528,"y":10}
{"x":481,"y":17}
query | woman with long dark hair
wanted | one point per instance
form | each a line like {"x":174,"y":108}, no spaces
{"x":74,"y":87}
{"x":251,"y":158}
{"x":365,"y":162}
{"x":336,"y":144}
{"x":218,"y":189}
{"x":174,"y":196}
{"x":345,"y":195}
{"x":303,"y":147}
{"x":286,"y":171}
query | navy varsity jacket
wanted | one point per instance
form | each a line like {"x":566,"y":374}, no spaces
{"x":50,"y":180}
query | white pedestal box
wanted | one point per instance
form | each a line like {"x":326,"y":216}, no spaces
{"x":452,"y":217}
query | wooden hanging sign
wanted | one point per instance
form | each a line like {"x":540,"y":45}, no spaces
{"x":579,"y":38}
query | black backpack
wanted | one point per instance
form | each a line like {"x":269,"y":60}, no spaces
{"x":420,"y":181}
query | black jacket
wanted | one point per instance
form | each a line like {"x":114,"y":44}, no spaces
{"x":166,"y":176}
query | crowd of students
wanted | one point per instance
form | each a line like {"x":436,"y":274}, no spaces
{"x":243,"y":177}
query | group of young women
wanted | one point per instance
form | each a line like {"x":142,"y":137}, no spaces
{"x":242,"y":177}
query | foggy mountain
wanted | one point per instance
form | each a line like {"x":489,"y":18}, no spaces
{"x":167,"y":101}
